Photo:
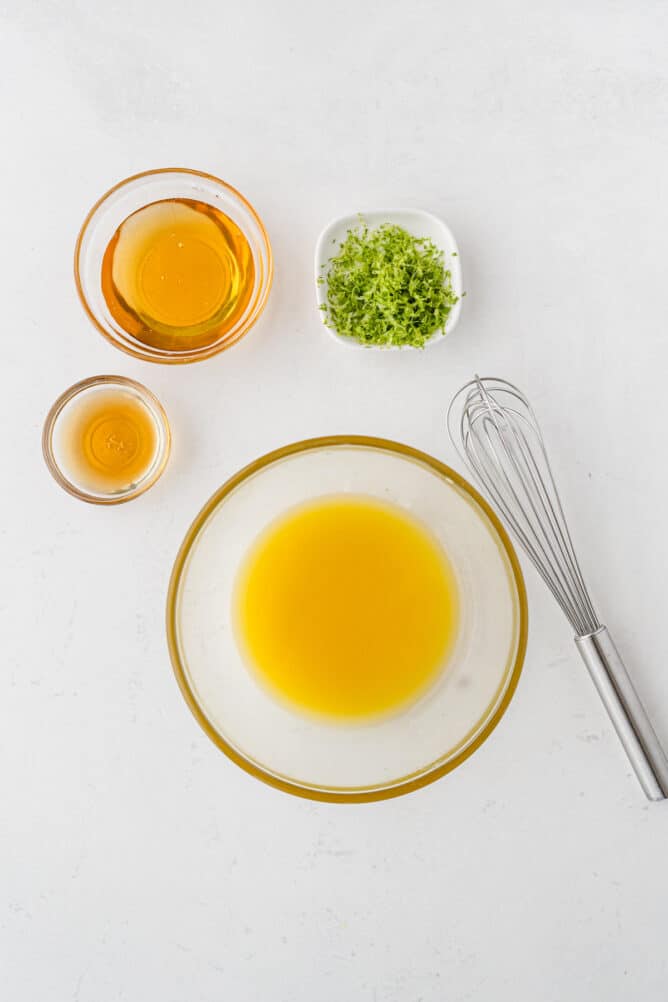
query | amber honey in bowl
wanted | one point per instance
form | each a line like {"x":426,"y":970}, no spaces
{"x":177,"y":274}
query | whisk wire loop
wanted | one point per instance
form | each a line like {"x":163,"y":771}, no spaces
{"x":499,"y":439}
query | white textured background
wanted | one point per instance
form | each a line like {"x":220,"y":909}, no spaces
{"x":136,"y":863}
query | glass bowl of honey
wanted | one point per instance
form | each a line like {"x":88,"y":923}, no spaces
{"x":347,"y":619}
{"x":173,"y":265}
{"x":106,"y":439}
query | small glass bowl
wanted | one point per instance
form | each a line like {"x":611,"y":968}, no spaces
{"x":54,"y":443}
{"x":132,"y":194}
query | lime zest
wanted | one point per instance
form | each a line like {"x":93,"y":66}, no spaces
{"x":387,"y":287}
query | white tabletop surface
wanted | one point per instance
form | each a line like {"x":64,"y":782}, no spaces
{"x":136,"y":862}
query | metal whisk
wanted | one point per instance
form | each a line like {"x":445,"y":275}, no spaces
{"x":495,"y":431}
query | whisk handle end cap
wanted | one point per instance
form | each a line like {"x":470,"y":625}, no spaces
{"x":626,"y":712}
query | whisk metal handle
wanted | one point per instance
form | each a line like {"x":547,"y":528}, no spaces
{"x":626,"y":712}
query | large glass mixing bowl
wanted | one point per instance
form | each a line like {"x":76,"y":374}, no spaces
{"x":337,"y":761}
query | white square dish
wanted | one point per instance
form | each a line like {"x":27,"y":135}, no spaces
{"x":419,"y":224}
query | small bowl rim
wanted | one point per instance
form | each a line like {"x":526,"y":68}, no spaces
{"x":147,"y":354}
{"x":400,"y":210}
{"x":56,"y":409}
{"x":354,"y":795}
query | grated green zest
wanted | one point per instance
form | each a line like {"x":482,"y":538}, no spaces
{"x":387,"y":287}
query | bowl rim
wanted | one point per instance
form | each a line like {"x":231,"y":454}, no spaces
{"x":352,"y":795}
{"x":147,"y":354}
{"x":59,"y":405}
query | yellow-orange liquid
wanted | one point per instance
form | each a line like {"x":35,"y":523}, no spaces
{"x":108,"y":441}
{"x":347,"y":607}
{"x":178,"y":274}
